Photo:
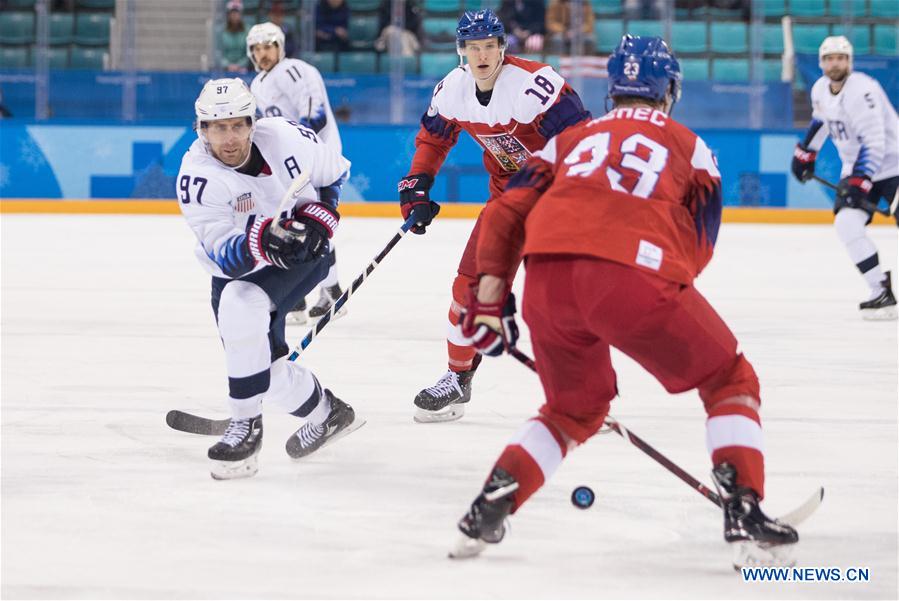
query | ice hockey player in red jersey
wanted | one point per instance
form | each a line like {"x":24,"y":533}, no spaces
{"x":615,"y":218}
{"x":511,"y":107}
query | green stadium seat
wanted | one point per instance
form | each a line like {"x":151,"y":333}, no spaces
{"x":92,"y":29}
{"x":808,"y":8}
{"x":323,"y":61}
{"x":729,"y":38}
{"x":606,"y":7}
{"x":14,"y":57}
{"x":357,"y":62}
{"x":20,"y":4}
{"x":16,"y":27}
{"x":440,"y":33}
{"x":771,"y":69}
{"x":774,"y":8}
{"x":438,"y":64}
{"x":443,"y":6}
{"x":249,"y":20}
{"x":86,"y":58}
{"x":357,"y":6}
{"x":730,"y":69}
{"x":857,"y":8}
{"x":860,"y":38}
{"x":248,"y":5}
{"x":885,"y":8}
{"x":688,"y":37}
{"x":807,"y":38}
{"x":62,"y":28}
{"x":772,"y":38}
{"x":410,"y":64}
{"x":58,"y":56}
{"x":363,"y":31}
{"x":554,"y":61}
{"x":885,"y":40}
{"x":607,"y":33}
{"x":96,"y":4}
{"x":694,"y":69}
{"x":645,"y":28}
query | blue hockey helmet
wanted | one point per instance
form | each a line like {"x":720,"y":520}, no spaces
{"x":644,"y":67}
{"x":479,"y":25}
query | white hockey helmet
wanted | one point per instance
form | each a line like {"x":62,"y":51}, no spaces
{"x":835,"y":44}
{"x":265,"y":33}
{"x":224,"y":99}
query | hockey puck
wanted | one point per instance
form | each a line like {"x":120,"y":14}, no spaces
{"x":582,"y":497}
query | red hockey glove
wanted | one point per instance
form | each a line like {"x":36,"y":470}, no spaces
{"x":491,"y":326}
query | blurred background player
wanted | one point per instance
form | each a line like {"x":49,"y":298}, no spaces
{"x":295,"y":90}
{"x":615,"y":219}
{"x":511,"y":107}
{"x":230,"y":186}
{"x":853,"y":110}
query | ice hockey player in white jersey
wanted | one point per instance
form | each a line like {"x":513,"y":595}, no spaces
{"x":854,"y":112}
{"x":230,"y":187}
{"x":294,"y":89}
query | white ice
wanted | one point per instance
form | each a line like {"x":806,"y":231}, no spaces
{"x":106,"y":326}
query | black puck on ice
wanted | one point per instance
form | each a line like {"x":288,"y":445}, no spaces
{"x":582,"y":497}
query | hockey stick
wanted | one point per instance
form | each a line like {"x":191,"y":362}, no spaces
{"x":793,"y":518}
{"x":886,"y":212}
{"x":195,"y":424}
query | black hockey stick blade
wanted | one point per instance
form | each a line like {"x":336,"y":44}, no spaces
{"x":194,"y":424}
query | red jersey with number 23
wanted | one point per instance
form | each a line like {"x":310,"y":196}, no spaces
{"x":634,"y":187}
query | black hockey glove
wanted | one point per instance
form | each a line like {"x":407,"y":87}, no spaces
{"x":281,"y":245}
{"x":854,"y":192}
{"x":415,"y":200}
{"x":803,"y":166}
{"x":320,"y":220}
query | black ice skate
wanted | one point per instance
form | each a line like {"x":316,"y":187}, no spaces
{"x":234,"y":456}
{"x":311,"y":437}
{"x":756,"y":539}
{"x":329,"y":294}
{"x":485,"y":521}
{"x":297,"y":315}
{"x":882,"y":307}
{"x":445,"y":400}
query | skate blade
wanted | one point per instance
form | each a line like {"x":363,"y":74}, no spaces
{"x":231,"y":470}
{"x":749,"y":554}
{"x":447,"y":414}
{"x":881,"y":314}
{"x":297,"y":318}
{"x":357,"y":423}
{"x":337,"y":315}
{"x":466,"y":547}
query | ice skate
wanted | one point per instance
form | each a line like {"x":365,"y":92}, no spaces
{"x":485,"y":521}
{"x":235,"y":455}
{"x":445,"y":400}
{"x":756,"y":539}
{"x":311,"y":437}
{"x":329,"y":294}
{"x":883,"y":306}
{"x":297,"y":315}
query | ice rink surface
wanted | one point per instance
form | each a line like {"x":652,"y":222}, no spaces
{"x":106,"y":326}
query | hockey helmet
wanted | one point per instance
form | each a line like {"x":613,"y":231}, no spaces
{"x":835,"y":44}
{"x":265,"y":33}
{"x":224,"y":99}
{"x":644,"y":67}
{"x":479,"y":25}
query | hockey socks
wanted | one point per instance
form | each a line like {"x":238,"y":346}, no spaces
{"x":532,"y":457}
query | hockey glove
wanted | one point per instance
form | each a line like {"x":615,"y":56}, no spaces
{"x":803,"y":166}
{"x":491,"y":326}
{"x":853,"y":191}
{"x":279,"y":246}
{"x":320,"y":221}
{"x":415,"y":200}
